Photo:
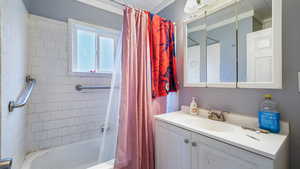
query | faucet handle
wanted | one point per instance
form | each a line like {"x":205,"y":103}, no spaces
{"x":224,"y":112}
{"x":210,"y":111}
{"x":213,"y":111}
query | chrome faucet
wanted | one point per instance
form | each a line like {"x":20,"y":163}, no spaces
{"x":216,"y":115}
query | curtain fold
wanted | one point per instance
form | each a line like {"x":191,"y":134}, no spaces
{"x":148,"y":71}
{"x":135,"y":147}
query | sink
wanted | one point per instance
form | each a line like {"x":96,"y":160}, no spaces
{"x":218,"y":128}
{"x":210,"y":125}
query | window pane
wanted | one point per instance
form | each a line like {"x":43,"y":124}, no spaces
{"x":107,"y":49}
{"x":86,"y":51}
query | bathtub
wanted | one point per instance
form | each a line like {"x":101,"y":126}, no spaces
{"x":82,"y":155}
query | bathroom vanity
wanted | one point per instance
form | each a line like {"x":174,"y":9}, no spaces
{"x":184,"y":141}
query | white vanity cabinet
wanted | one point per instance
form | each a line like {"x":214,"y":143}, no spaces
{"x":211,"y":154}
{"x":173,"y":150}
{"x":179,"y":148}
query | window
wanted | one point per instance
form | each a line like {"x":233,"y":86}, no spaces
{"x":92,"y":49}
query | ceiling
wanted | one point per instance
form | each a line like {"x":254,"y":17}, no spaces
{"x":150,"y":5}
{"x":98,"y":12}
{"x":262,"y":10}
{"x":153,"y":6}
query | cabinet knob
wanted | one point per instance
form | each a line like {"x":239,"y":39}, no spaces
{"x":194,"y":144}
{"x":186,"y":141}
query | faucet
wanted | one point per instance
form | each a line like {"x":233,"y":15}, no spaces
{"x":216,"y":115}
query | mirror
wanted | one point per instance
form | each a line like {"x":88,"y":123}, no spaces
{"x":237,"y":44}
{"x":256,"y":56}
{"x":221,"y":48}
{"x":195,"y":60}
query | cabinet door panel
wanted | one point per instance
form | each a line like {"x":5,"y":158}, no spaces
{"x":211,"y":154}
{"x":173,"y":150}
{"x":210,"y":158}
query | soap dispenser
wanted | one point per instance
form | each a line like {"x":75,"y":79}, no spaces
{"x":193,"y":107}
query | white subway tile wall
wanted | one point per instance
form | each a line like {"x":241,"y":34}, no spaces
{"x":57,"y":113}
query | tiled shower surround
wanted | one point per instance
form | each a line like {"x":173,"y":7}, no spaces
{"x":57,"y":113}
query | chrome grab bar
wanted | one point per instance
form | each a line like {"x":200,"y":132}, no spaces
{"x":6,"y":163}
{"x":80,"y":87}
{"x":23,"y":98}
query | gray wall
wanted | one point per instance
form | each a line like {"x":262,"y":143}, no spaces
{"x":245,"y":27}
{"x":247,"y":101}
{"x":26,"y":3}
{"x":228,"y":51}
{"x":63,"y":9}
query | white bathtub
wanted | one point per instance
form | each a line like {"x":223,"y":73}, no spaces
{"x":82,"y":155}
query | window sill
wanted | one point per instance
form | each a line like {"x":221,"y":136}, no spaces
{"x":88,"y":74}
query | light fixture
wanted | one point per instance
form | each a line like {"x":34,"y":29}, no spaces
{"x":192,"y":6}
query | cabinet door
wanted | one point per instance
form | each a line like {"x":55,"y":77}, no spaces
{"x":211,"y":154}
{"x":173,"y":149}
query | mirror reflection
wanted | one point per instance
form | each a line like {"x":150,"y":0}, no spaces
{"x":221,"y":47}
{"x":255,"y":41}
{"x":195,"y":53}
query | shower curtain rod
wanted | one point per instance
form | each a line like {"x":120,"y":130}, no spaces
{"x":119,"y":3}
{"x":125,"y":5}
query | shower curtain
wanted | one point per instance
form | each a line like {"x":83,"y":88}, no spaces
{"x":135,"y":139}
{"x":110,"y":128}
{"x":131,"y":102}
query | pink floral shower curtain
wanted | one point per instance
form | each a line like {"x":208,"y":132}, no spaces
{"x":135,"y":147}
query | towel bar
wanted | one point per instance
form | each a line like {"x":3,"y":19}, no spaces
{"x":80,"y":87}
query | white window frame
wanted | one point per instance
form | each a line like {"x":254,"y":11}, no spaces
{"x":73,"y":26}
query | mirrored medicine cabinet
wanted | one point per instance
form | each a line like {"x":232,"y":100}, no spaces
{"x":234,"y":44}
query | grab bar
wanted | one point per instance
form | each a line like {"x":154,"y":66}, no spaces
{"x":23,"y":98}
{"x":80,"y":87}
{"x":6,"y":163}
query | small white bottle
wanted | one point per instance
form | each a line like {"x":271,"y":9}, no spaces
{"x":193,"y":107}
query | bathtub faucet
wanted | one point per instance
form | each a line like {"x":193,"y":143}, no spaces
{"x":6,"y":163}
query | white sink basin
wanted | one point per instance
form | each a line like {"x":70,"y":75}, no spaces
{"x":218,"y":128}
{"x":210,"y":125}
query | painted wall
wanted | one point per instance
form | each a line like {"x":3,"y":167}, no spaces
{"x":228,"y":49}
{"x":26,"y":3}
{"x":245,"y":27}
{"x":13,"y":72}
{"x":246,"y":101}
{"x":57,"y":113}
{"x":63,"y":9}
